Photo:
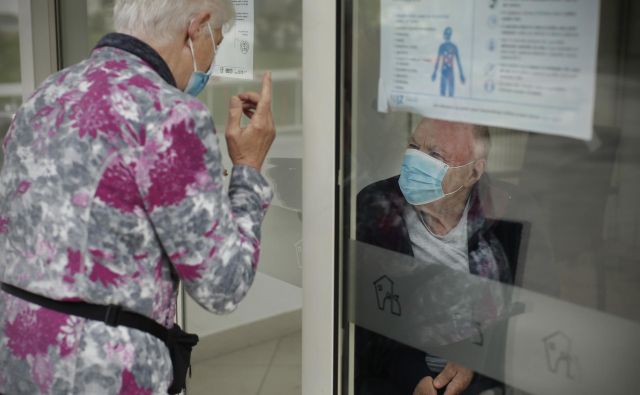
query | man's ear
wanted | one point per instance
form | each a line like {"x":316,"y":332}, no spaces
{"x":197,"y":24}
{"x":477,"y":170}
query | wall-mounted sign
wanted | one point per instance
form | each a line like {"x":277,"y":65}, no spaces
{"x":234,"y":58}
{"x":520,"y":64}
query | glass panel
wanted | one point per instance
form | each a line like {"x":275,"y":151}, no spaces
{"x":258,"y":347}
{"x":524,"y":277}
{"x":91,"y":20}
{"x":10,"y":88}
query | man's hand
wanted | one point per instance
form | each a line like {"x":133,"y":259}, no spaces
{"x":425,"y":387}
{"x":455,"y":377}
{"x":249,"y":146}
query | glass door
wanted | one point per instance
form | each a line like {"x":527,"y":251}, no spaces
{"x":258,"y":348}
{"x":483,"y":250}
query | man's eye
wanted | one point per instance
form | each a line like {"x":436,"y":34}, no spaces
{"x":414,"y":146}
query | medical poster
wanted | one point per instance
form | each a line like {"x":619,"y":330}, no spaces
{"x":234,"y":58}
{"x":519,"y":64}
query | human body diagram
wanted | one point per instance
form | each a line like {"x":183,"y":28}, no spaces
{"x":447,"y":52}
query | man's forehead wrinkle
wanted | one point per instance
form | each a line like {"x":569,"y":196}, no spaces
{"x":452,"y":144}
{"x":461,"y":148}
{"x":440,"y":142}
{"x":452,"y":140}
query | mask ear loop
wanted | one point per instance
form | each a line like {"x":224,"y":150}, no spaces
{"x":461,"y":186}
{"x":193,"y":55}
{"x":215,"y":49}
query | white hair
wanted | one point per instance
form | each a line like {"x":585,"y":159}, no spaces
{"x":163,"y":20}
{"x":483,"y":139}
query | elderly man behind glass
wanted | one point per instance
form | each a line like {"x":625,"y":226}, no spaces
{"x":442,"y":210}
{"x":112,"y":193}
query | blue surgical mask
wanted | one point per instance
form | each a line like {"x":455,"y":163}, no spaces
{"x":421,"y":177}
{"x":199,"y":79}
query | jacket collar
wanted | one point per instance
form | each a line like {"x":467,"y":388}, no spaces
{"x":140,"y":49}
{"x":487,"y":203}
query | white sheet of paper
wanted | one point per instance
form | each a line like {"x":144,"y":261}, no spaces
{"x":234,"y":58}
{"x":521,"y":64}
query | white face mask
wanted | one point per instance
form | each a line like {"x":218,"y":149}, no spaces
{"x":199,"y":79}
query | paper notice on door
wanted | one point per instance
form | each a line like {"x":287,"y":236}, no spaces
{"x":234,"y":58}
{"x":520,"y":64}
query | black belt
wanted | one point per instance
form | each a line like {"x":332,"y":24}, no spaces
{"x":179,"y":342}
{"x":111,"y":315}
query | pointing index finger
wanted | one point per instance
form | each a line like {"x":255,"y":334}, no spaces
{"x":265,"y":96}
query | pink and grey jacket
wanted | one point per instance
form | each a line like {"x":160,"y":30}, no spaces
{"x":111,"y":193}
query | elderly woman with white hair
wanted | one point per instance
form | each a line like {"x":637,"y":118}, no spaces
{"x":112,"y":193}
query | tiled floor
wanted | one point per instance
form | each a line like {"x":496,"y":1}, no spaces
{"x":271,"y":368}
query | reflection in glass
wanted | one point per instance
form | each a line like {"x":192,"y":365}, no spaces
{"x":517,"y":273}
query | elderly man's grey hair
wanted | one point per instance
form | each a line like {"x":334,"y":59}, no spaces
{"x":162,"y":20}
{"x":483,"y":139}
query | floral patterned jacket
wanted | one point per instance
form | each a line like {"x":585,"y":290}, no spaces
{"x":111,"y":193}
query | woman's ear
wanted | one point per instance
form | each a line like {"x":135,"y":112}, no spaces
{"x":197,"y":24}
